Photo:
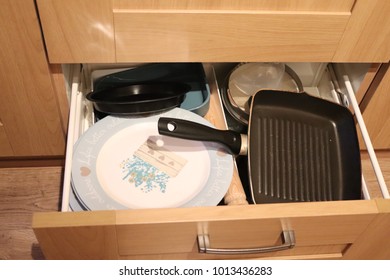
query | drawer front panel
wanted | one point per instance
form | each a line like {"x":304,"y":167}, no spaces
{"x":78,"y":31}
{"x":181,"y":236}
{"x":174,"y":232}
{"x":156,"y":238}
{"x":77,"y":235}
{"x":84,"y":31}
{"x":226,"y":36}
{"x":264,"y":5}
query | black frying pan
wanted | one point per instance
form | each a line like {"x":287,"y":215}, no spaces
{"x":300,"y":148}
{"x":139,"y":98}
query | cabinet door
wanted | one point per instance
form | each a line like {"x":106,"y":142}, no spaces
{"x":30,"y":122}
{"x":367,"y":35}
{"x":321,"y":230}
{"x":78,"y":31}
{"x":375,"y":109}
{"x":5,"y":146}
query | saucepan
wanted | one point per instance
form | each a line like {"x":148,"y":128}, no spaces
{"x":151,"y":97}
{"x":299,"y":147}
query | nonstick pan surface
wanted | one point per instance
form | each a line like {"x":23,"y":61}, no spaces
{"x":300,"y":148}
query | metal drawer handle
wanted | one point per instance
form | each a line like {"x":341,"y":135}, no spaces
{"x":288,"y":242}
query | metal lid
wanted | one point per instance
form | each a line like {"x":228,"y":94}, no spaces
{"x":237,"y":103}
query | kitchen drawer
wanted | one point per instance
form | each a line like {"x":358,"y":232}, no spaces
{"x":198,"y":35}
{"x":310,"y":230}
{"x":148,"y":31}
{"x":93,"y":31}
{"x":322,"y":230}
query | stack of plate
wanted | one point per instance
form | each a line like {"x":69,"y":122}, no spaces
{"x":123,"y":163}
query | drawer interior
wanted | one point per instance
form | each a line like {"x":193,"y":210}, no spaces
{"x":341,"y":83}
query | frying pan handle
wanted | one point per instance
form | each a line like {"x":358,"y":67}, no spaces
{"x":194,"y":131}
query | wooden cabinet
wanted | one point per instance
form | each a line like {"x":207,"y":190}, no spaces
{"x":140,"y":31}
{"x":366,"y":37}
{"x":215,"y":31}
{"x":375,"y":107}
{"x":78,"y":31}
{"x":325,"y":230}
{"x":30,"y":119}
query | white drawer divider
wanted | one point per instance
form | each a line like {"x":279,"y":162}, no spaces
{"x":366,"y":138}
{"x":73,"y":134}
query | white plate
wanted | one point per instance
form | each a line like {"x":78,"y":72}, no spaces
{"x":107,"y":175}
{"x":74,"y":204}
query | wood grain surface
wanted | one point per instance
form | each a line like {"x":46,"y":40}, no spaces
{"x":22,"y":192}
{"x":30,"y":122}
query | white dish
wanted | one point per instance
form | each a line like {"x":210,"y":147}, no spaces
{"x":107,"y":174}
{"x":74,"y":204}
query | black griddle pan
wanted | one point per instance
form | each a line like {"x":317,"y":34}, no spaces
{"x":300,"y":147}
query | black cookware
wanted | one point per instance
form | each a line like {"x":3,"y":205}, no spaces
{"x":300,"y":148}
{"x":142,"y":98}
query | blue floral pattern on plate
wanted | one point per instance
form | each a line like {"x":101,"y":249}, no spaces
{"x":144,"y":175}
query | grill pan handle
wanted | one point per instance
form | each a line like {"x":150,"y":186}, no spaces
{"x":234,"y":141}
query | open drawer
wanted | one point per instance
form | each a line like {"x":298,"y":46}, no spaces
{"x":309,"y":230}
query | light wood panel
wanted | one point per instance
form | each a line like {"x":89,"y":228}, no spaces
{"x":84,"y":31}
{"x":80,"y":236}
{"x":367,"y":34}
{"x":369,"y":174}
{"x":179,"y":237}
{"x":264,"y":5}
{"x":366,"y":82}
{"x":175,"y":230}
{"x":158,"y":35}
{"x":78,"y":31}
{"x":296,"y":253}
{"x":376,"y":112}
{"x":373,"y":244}
{"x":28,"y":107}
{"x":5,"y":146}
{"x":58,"y":81}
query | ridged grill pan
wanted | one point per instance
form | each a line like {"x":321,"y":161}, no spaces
{"x":300,"y":148}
